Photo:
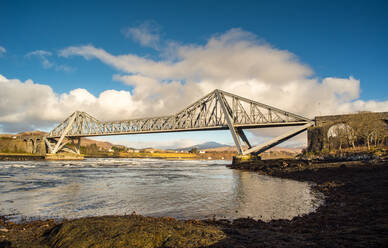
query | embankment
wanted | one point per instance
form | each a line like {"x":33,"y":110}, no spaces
{"x":20,"y":157}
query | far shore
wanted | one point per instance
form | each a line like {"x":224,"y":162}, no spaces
{"x":155,"y":155}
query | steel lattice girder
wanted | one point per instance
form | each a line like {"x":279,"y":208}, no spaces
{"x":216,"y":111}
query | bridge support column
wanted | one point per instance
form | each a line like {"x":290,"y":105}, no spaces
{"x":77,"y":146}
{"x":229,"y":120}
{"x":275,"y":141}
{"x":243,"y":137}
{"x":55,"y":146}
{"x":59,"y":145}
{"x":48,"y":145}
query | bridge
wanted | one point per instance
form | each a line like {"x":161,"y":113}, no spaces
{"x":218,"y":110}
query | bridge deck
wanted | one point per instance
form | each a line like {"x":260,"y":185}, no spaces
{"x":245,"y":126}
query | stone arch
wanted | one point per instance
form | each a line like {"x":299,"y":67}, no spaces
{"x":38,"y":145}
{"x":29,"y":145}
{"x":32,"y":150}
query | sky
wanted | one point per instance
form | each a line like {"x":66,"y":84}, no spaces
{"x":128,"y":59}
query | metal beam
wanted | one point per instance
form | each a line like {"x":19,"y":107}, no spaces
{"x":76,"y":145}
{"x":67,"y":129}
{"x":265,"y":106}
{"x":275,"y":141}
{"x":244,"y":113}
{"x":243,"y":137}
{"x":230,"y":123}
{"x":48,"y":144}
{"x":235,"y":113}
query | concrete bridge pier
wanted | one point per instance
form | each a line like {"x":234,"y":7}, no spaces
{"x":318,"y":137}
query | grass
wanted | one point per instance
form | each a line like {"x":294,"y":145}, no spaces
{"x":157,"y":155}
{"x":19,"y":154}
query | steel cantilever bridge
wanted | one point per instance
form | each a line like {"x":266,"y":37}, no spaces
{"x":218,"y":110}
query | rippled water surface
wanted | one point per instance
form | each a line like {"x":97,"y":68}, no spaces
{"x":181,"y":189}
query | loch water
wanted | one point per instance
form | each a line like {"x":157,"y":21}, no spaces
{"x":184,"y":189}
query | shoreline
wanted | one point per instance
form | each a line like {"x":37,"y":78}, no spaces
{"x":20,"y":157}
{"x":355,"y":213}
{"x":34,"y":157}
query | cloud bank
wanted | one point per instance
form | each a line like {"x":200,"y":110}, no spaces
{"x":235,"y":61}
{"x":30,"y":106}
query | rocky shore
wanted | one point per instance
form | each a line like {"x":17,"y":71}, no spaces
{"x":20,"y":157}
{"x":355,"y":214}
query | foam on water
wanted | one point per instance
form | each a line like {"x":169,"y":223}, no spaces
{"x":17,"y":166}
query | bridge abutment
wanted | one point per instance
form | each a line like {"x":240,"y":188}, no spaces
{"x":334,"y":131}
{"x":244,"y":159}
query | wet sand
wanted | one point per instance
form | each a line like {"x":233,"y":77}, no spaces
{"x":355,"y":214}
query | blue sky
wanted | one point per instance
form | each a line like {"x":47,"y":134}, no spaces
{"x":334,"y":39}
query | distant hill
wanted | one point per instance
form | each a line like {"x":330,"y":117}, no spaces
{"x":203,"y":146}
{"x":273,"y":149}
{"x":103,"y":144}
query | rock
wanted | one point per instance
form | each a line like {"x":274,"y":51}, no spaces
{"x":3,"y":230}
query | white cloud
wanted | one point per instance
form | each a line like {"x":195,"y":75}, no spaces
{"x":42,"y":55}
{"x":147,"y":34}
{"x":28,"y":105}
{"x":2,"y":51}
{"x":46,"y":63}
{"x":235,"y":61}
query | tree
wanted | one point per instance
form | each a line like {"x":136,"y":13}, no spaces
{"x":341,"y":135}
{"x":119,"y":149}
{"x":369,"y":128}
{"x":194,"y":150}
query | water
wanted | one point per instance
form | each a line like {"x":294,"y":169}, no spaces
{"x":152,"y":187}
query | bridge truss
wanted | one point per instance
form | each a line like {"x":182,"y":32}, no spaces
{"x":218,"y":110}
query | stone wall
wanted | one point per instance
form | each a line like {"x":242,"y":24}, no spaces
{"x":34,"y":144}
{"x":317,"y":136}
{"x":23,"y":144}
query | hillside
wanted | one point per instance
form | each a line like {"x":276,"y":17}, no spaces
{"x":105,"y":145}
{"x":275,"y":152}
{"x":273,"y":149}
{"x":204,"y":146}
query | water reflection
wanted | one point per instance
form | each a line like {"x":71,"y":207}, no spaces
{"x":269,"y":198}
{"x":182,"y":189}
